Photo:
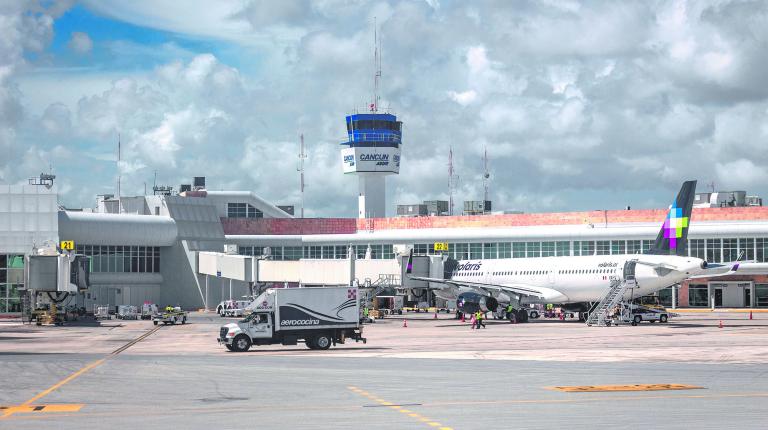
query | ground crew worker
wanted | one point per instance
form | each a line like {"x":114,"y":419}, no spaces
{"x":480,"y":322}
{"x":365,"y":312}
{"x":169,"y":308}
{"x":509,"y":310}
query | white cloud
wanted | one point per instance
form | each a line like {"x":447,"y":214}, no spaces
{"x":565,"y":95}
{"x":56,"y":119}
{"x":463,"y":98}
{"x":80,"y":42}
{"x":741,"y":173}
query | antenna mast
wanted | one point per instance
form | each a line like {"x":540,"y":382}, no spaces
{"x":119,"y":203}
{"x":451,"y":181}
{"x":376,"y":68}
{"x":302,"y":157}
{"x":486,"y":176}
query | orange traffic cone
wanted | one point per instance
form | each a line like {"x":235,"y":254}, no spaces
{"x":405,"y":323}
{"x":721,"y":324}
{"x":750,"y":314}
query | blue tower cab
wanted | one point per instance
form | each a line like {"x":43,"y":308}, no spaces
{"x":373,"y":130}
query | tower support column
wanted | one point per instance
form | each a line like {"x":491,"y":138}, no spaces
{"x":371,"y":196}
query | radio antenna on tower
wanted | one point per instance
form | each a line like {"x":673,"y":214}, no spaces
{"x":452,"y":178}
{"x":486,"y":176}
{"x":376,"y":68}
{"x":302,"y":157}
{"x":119,"y":203}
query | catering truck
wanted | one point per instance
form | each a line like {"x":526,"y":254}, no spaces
{"x":320,"y":317}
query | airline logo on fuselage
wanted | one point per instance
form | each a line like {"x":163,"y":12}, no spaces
{"x":608,"y":264}
{"x":469,"y":266}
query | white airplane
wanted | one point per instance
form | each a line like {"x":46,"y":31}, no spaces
{"x":572,"y":282}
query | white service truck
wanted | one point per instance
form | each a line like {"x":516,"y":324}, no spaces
{"x":320,"y":317}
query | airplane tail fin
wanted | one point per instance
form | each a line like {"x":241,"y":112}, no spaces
{"x":673,"y":236}
{"x":409,"y":266}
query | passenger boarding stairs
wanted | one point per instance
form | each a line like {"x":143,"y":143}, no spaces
{"x":384,"y":282}
{"x":599,"y":314}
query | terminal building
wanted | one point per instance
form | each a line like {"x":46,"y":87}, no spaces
{"x":148,"y":249}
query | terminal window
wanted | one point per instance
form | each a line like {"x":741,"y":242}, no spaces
{"x":603,"y":247}
{"x":730,"y":249}
{"x":697,"y":249}
{"x":618,"y":247}
{"x":11,"y":280}
{"x":243,"y":210}
{"x":748,"y":246}
{"x":122,"y":259}
{"x":533,"y":249}
{"x":634,"y":247}
{"x":713,"y":251}
{"x":698,"y":295}
{"x":761,"y":249}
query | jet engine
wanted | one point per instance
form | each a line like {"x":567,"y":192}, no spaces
{"x":473,"y":302}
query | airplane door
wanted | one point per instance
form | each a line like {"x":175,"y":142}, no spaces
{"x":551,"y":276}
{"x":629,"y":270}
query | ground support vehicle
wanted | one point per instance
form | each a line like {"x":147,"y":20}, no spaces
{"x":170,"y":316}
{"x":635,"y":314}
{"x":148,"y":310}
{"x":126,"y":312}
{"x":235,"y":308}
{"x":101,"y":313}
{"x":319,"y":317}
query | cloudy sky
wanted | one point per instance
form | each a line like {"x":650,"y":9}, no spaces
{"x":581,"y":105}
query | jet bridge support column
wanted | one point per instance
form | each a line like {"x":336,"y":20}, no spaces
{"x":674,"y":297}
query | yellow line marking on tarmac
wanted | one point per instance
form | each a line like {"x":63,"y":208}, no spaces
{"x":10,"y":410}
{"x":24,"y":409}
{"x":613,"y":388}
{"x":429,"y":421}
{"x":59,"y":384}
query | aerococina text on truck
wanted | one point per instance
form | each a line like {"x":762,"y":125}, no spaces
{"x":320,"y":317}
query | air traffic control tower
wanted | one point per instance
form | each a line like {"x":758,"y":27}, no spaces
{"x":371,"y":153}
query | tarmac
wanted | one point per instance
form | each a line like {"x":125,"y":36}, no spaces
{"x":434,"y":373}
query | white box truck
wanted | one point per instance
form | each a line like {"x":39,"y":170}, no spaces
{"x":320,"y":317}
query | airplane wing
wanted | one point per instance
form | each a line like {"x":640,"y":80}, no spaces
{"x":521,"y":289}
{"x":737,"y":268}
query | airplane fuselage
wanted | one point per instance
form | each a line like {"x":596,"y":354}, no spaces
{"x":572,"y":279}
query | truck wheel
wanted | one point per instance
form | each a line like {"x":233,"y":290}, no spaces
{"x":322,"y":341}
{"x":663,"y":318}
{"x":184,"y":320}
{"x":534,"y":314}
{"x":637,"y":319}
{"x":229,"y":347}
{"x":241,"y":343}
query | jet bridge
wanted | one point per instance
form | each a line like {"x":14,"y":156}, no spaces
{"x":237,"y":269}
